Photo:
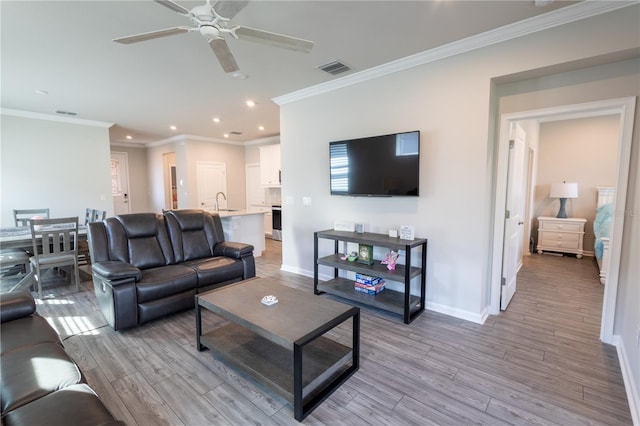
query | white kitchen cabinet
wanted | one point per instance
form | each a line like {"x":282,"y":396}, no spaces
{"x":561,"y":235}
{"x":270,"y":165}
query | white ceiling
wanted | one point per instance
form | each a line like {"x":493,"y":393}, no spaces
{"x":65,"y":48}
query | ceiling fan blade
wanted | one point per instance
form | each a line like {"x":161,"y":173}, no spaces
{"x":229,"y":9}
{"x":151,"y":35}
{"x":173,"y":6}
{"x":273,"y":39}
{"x":224,"y":55}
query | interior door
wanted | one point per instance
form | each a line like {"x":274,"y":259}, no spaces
{"x":212,"y":179}
{"x":120,"y":183}
{"x":514,"y":217}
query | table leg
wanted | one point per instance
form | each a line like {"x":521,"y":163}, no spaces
{"x":198,"y":327}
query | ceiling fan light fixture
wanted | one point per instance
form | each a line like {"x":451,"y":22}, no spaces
{"x":209,"y":31}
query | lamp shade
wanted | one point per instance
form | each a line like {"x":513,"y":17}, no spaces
{"x":564,"y":190}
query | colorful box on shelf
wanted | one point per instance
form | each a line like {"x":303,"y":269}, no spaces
{"x":369,"y":289}
{"x":367,"y":279}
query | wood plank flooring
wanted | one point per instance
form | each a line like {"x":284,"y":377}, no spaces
{"x":540,"y":362}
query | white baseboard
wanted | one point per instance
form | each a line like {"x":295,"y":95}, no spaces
{"x":478,"y":318}
{"x":633,"y":396}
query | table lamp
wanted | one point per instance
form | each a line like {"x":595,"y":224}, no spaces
{"x":563,"y":191}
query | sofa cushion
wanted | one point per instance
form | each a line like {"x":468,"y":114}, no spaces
{"x":34,"y":371}
{"x":216,"y":270}
{"x":193,"y":233}
{"x":140,"y":239}
{"x":157,"y":283}
{"x":26,"y":331}
{"x":75,"y":405}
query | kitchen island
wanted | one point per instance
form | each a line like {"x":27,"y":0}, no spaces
{"x":244,"y":226}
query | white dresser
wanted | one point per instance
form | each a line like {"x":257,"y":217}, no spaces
{"x":561,"y":235}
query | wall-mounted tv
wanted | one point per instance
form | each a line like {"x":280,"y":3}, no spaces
{"x":377,"y":166}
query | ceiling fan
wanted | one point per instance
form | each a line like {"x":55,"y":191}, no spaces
{"x":213,"y":22}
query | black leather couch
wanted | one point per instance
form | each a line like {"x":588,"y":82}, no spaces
{"x":146,"y":266}
{"x":41,"y":384}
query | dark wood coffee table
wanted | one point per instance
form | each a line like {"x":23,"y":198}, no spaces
{"x":284,"y":345}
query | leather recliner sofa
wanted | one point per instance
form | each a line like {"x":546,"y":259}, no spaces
{"x":146,"y":266}
{"x":41,"y":384}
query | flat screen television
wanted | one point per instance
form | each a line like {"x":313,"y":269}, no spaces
{"x":377,"y":166}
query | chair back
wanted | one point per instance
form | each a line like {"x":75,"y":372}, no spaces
{"x":22,"y":217}
{"x":54,"y":239}
{"x":93,"y":215}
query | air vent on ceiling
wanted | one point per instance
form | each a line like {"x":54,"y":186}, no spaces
{"x":66,"y":112}
{"x":334,"y":68}
{"x":235,"y":133}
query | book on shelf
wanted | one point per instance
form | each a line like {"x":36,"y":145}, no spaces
{"x":369,"y":289}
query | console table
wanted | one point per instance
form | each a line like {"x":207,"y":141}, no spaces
{"x":401,"y":303}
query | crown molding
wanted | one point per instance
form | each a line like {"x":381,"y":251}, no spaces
{"x":263,"y":141}
{"x":49,"y":117}
{"x":186,"y":137}
{"x":579,"y":11}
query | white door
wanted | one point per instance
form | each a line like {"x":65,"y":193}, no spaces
{"x":120,"y":183}
{"x":212,"y":179}
{"x":514,"y":218}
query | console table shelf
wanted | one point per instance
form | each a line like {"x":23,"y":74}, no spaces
{"x":402,"y":303}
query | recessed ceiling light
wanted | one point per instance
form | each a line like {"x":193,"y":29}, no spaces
{"x":260,"y":127}
{"x":216,"y":120}
{"x":173,"y":127}
{"x":129,"y":137}
{"x":251,"y":103}
{"x":226,"y":135}
{"x":239,"y":75}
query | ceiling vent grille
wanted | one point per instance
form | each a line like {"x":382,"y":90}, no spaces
{"x":235,"y":133}
{"x":66,"y":112}
{"x":334,"y":68}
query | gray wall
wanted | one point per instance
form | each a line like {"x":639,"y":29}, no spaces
{"x":59,"y":164}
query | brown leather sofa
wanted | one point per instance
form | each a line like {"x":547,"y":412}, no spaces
{"x":41,"y":384}
{"x":146,"y":266}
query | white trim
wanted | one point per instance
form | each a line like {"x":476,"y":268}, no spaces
{"x":633,"y":395}
{"x":269,"y":140}
{"x":478,"y":318}
{"x":49,"y":117}
{"x":565,"y":15}
{"x":626,"y":108}
{"x":187,"y":137}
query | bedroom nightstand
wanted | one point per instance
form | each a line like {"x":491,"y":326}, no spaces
{"x":561,"y":235}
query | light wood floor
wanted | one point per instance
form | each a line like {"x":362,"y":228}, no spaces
{"x":538,"y":363}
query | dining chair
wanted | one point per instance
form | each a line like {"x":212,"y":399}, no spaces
{"x":91,"y":215}
{"x":54,"y":245}
{"x":14,"y":261}
{"x":22,"y":217}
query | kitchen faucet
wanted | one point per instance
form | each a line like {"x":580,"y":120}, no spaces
{"x":217,"y":204}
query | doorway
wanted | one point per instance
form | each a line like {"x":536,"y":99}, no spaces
{"x":120,"y":183}
{"x":625,"y":108}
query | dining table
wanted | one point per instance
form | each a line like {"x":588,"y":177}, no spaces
{"x":20,"y":237}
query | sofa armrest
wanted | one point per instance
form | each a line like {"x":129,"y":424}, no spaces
{"x":16,"y":305}
{"x":114,"y":270}
{"x":231,"y":249}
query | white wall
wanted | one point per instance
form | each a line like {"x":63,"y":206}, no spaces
{"x":188,"y":152}
{"x":63,"y":165}
{"x":449,"y":101}
{"x":584,"y":151}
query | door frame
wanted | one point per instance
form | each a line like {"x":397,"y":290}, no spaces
{"x":625,"y":108}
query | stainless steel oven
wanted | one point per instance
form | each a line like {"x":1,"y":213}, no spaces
{"x":276,"y":222}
